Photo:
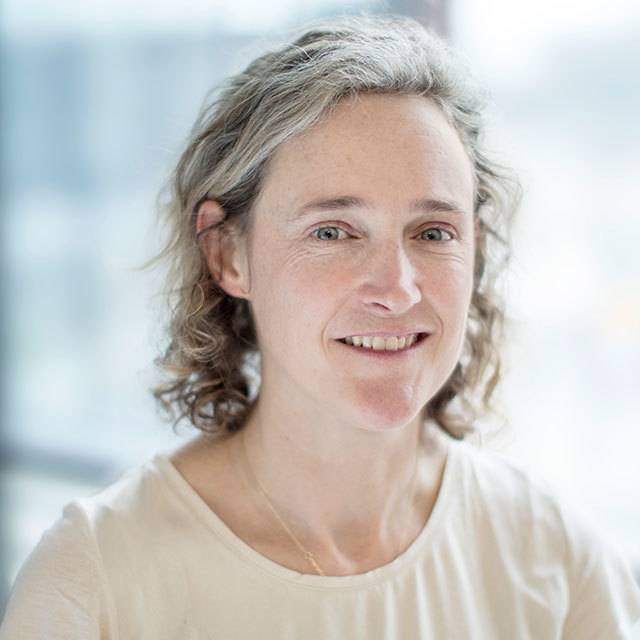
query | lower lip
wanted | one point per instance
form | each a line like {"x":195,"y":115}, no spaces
{"x":385,"y":355}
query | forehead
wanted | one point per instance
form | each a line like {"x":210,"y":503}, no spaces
{"x":386,"y":145}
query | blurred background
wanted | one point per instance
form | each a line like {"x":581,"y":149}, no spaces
{"x":97,"y":99}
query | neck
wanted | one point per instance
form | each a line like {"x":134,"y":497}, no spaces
{"x":344,"y":493}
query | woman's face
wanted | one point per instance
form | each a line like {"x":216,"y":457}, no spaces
{"x":372,"y":261}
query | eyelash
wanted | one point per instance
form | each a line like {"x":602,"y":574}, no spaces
{"x":423,"y":231}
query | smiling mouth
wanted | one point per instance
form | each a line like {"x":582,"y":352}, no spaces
{"x":421,"y":337}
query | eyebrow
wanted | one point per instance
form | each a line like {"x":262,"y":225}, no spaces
{"x":427,"y":205}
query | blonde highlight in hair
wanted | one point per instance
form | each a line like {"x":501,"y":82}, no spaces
{"x":212,"y":355}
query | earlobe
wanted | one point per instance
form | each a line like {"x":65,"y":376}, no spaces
{"x":220,"y":248}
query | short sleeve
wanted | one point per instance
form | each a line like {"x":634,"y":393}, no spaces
{"x":58,"y":593}
{"x":604,"y":595}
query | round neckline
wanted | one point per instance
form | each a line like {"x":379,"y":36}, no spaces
{"x":198,"y":507}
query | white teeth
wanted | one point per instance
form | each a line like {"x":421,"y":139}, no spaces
{"x":378,"y":343}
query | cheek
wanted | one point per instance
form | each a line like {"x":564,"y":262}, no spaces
{"x":448,"y":294}
{"x":314,"y":290}
{"x":298,"y":293}
{"x":449,"y":289}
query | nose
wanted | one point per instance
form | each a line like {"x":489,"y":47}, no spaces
{"x":391,"y":280}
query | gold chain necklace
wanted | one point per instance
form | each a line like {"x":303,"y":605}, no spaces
{"x":307,"y":554}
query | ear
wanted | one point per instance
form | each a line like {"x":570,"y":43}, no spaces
{"x":223,"y":249}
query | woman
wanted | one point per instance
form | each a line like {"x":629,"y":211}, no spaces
{"x":336,"y":220}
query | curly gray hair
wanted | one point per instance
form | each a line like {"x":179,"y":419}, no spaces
{"x":212,"y":338}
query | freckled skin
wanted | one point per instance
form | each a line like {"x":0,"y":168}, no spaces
{"x":333,"y":434}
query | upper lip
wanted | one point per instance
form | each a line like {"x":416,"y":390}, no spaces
{"x":386,"y":334}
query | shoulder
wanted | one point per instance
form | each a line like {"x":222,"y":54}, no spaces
{"x":515,"y":511}
{"x":137,"y":515}
{"x":103,"y":553}
{"x":514,"y":495}
{"x":65,"y":551}
{"x":517,"y":497}
{"x":114,"y":517}
{"x":531,"y":528}
{"x":150,"y":508}
{"x":60,"y":589}
{"x":509,"y":491}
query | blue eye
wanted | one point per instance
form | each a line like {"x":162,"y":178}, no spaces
{"x":439,"y":232}
{"x":323,"y":228}
{"x":438,"y":229}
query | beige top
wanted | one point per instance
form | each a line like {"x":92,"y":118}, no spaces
{"x":499,"y":558}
